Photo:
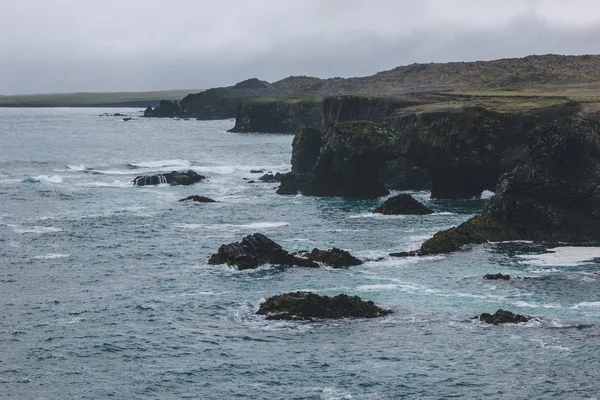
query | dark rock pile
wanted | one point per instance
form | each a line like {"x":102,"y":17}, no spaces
{"x":173,"y":178}
{"x":335,"y":258}
{"x":402,"y":204}
{"x":503,"y":317}
{"x":308,"y":306}
{"x":199,"y":199}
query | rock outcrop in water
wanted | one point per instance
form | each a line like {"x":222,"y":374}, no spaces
{"x":173,"y":178}
{"x":503,"y":317}
{"x":309,"y":306}
{"x":350,"y":157}
{"x":496,"y":277}
{"x":198,"y":199}
{"x":277,"y":115}
{"x":402,"y":204}
{"x":336,"y":258}
{"x":553,"y":196}
{"x":256,"y":250}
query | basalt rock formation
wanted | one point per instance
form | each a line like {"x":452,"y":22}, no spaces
{"x":350,"y":157}
{"x":199,"y":199}
{"x":309,"y":306}
{"x":503,"y":317}
{"x":336,"y":258}
{"x":277,"y":115}
{"x":173,"y":178}
{"x":552,"y":196}
{"x":402,"y":204}
{"x":256,"y":250}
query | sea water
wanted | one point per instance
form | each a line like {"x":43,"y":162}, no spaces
{"x":105,"y":291}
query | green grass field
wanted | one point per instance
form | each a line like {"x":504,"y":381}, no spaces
{"x":125,"y":99}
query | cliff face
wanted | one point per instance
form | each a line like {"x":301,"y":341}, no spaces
{"x":277,"y":116}
{"x":552,"y":195}
{"x":362,"y":108}
{"x":456,"y":153}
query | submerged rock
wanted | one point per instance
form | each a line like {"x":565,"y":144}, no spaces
{"x":270,"y":178}
{"x":173,"y":178}
{"x":496,"y":277}
{"x":503,"y":317}
{"x":199,"y":199}
{"x":256,"y":250}
{"x":307,"y":306}
{"x":552,"y":196}
{"x":336,"y":258}
{"x":402,"y":204}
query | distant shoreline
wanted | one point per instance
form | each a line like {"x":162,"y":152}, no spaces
{"x":94,"y":100}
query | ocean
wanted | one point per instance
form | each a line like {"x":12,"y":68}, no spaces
{"x":105,"y":291}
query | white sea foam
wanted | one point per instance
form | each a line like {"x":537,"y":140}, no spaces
{"x":35,"y":229}
{"x":51,"y":256}
{"x":263,"y":225}
{"x":587,"y":304}
{"x":177,"y":163}
{"x":371,"y":288}
{"x":562,"y":256}
{"x":79,"y":167}
{"x":487,"y":194}
{"x":45,"y":178}
{"x":534,"y":305}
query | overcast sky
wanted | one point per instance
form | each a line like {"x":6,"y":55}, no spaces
{"x":132,"y":45}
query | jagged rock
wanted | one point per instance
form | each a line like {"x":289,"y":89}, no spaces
{"x":173,"y":178}
{"x":256,"y":250}
{"x":496,"y":277}
{"x":553,"y":196}
{"x":335,"y":257}
{"x":257,"y":171}
{"x":503,"y":317}
{"x":308,"y":306}
{"x":402,"y":204}
{"x":165,"y":109}
{"x":277,"y":115}
{"x":349,"y":161}
{"x":199,"y":199}
{"x":270,"y":178}
{"x":306,"y":147}
{"x":404,"y":254}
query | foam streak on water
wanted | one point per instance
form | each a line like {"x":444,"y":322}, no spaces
{"x":105,"y":291}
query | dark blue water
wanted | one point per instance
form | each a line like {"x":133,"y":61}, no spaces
{"x":105,"y":291}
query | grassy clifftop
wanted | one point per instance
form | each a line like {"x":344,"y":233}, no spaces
{"x":114,"y":99}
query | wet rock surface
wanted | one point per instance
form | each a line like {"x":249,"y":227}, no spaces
{"x":503,"y":317}
{"x":199,"y":199}
{"x":497,"y":277}
{"x":256,"y":250}
{"x":173,"y":178}
{"x":402,"y":204}
{"x":335,"y":257}
{"x":308,"y":306}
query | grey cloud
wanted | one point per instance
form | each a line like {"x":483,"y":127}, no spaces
{"x":78,"y":45}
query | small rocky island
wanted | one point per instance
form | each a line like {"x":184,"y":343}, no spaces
{"x":257,"y":249}
{"x":310,"y":306}
{"x":172,"y":178}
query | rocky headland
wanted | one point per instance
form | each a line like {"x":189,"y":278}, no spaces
{"x":553,"y":195}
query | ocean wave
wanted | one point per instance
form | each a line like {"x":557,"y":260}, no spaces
{"x":79,"y":167}
{"x":51,"y":256}
{"x":487,"y":194}
{"x":263,"y":225}
{"x":587,"y":304}
{"x":568,"y":256}
{"x":44,"y":178}
{"x":176,"y":163}
{"x":39,"y":230}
